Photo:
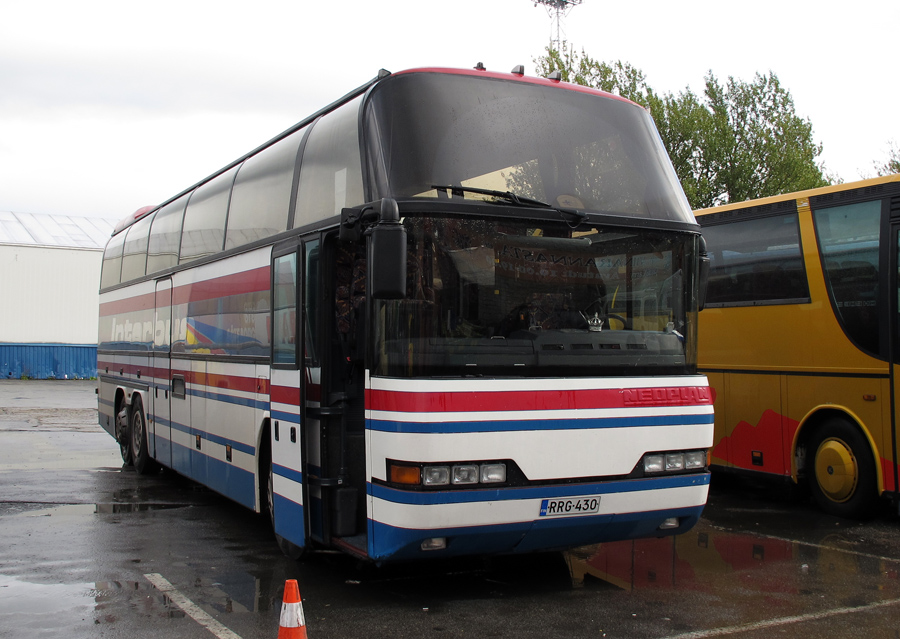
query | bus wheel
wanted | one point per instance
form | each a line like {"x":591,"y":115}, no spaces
{"x":290,"y":549}
{"x":842,"y":478}
{"x":122,"y":434}
{"x":140,"y":453}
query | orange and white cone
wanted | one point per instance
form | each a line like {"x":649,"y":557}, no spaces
{"x":292,"y":624}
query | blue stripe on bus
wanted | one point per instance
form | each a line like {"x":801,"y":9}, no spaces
{"x":230,"y":399}
{"x":288,"y":473}
{"x":431,"y":498}
{"x":293,"y":418}
{"x":224,"y":478}
{"x":389,"y":542}
{"x":289,"y":520}
{"x":390,"y":426}
{"x":224,"y":441}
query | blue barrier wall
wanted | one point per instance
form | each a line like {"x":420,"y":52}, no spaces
{"x":48,"y":361}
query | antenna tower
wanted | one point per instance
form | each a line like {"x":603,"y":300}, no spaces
{"x":557,"y":10}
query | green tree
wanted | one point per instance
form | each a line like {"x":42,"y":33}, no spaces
{"x":892,"y":164}
{"x":738,"y":141}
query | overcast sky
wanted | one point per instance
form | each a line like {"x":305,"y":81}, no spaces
{"x":107,"y":106}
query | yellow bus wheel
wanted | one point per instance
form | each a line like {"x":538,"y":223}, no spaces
{"x":836,"y":470}
{"x":842,"y":474}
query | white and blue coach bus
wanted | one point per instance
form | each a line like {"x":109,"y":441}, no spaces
{"x":452,"y":313}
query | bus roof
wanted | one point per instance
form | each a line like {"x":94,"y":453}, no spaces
{"x":516,"y":75}
{"x":800,"y":194}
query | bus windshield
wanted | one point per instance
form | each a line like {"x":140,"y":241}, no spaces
{"x":513,"y":297}
{"x":565,"y":147}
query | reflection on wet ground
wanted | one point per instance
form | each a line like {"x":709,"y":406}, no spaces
{"x":704,"y":557}
{"x":40,"y":510}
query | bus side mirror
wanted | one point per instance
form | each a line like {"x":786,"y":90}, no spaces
{"x":387,"y":254}
{"x":704,"y":274}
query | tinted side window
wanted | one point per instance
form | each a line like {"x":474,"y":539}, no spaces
{"x":755,"y":262}
{"x":112,"y":261}
{"x":204,"y":219}
{"x":330,"y":172}
{"x":848,"y":242}
{"x":165,"y":236}
{"x":260,"y":200}
{"x":134,"y":257}
{"x":284,"y":315}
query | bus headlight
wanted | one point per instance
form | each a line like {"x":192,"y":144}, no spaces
{"x":694,"y":459}
{"x":676,"y":461}
{"x":436,"y":475}
{"x":467,"y":474}
{"x":654,"y":463}
{"x":493,"y":473}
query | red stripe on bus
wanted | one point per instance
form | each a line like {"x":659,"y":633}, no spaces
{"x":541,"y":400}
{"x":253,"y":281}
{"x":129,"y":304}
{"x":286,"y":395}
{"x":210,"y":380}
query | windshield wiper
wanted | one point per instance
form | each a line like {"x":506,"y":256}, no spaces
{"x":509,"y":196}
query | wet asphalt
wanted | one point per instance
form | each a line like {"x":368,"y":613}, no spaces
{"x":91,"y":549}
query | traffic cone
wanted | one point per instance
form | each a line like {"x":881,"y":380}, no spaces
{"x":292,"y":624}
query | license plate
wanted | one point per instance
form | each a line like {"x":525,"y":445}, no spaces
{"x":570,"y":506}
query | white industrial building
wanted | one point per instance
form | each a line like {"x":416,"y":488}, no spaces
{"x":49,"y":281}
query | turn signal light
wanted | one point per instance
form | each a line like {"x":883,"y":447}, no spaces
{"x":405,"y":475}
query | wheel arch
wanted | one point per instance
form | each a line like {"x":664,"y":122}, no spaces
{"x":813,"y":420}
{"x":126,"y":394}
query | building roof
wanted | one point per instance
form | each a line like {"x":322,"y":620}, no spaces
{"x":63,"y":231}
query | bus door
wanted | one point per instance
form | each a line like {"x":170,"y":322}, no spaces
{"x":891,"y":470}
{"x":336,"y":380}
{"x":286,"y":441}
{"x":160,"y":435}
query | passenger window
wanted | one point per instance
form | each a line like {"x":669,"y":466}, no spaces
{"x":848,"y":242}
{"x":134,"y":257}
{"x":284,"y":320}
{"x":756,"y":261}
{"x":261,"y":198}
{"x":330,"y":172}
{"x":165,"y":236}
{"x":204,"y":219}
{"x":112,"y":261}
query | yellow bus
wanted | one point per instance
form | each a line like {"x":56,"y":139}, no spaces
{"x":800,"y":339}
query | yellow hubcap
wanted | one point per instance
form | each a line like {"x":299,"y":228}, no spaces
{"x":836,"y":470}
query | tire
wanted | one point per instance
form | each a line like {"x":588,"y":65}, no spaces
{"x":123,"y":432}
{"x":842,"y":475}
{"x":140,"y":452}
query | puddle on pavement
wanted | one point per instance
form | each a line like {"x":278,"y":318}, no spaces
{"x":69,"y":510}
{"x":25,"y":604}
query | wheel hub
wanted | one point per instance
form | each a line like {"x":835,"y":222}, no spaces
{"x":836,"y":470}
{"x":137,"y":432}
